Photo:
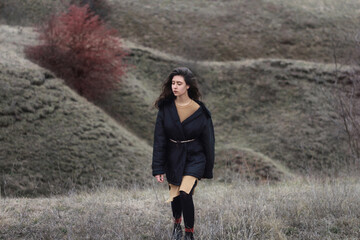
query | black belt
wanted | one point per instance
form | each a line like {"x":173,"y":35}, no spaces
{"x":178,"y":141}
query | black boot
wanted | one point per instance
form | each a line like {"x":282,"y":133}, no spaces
{"x":177,"y":232}
{"x":189,"y":236}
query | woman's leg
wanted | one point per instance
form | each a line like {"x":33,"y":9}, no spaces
{"x":177,"y":210}
{"x":187,"y":205}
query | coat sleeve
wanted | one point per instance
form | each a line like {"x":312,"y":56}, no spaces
{"x":208,"y":140}
{"x":159,"y":147}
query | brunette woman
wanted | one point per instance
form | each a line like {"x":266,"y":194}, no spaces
{"x":183,"y":145}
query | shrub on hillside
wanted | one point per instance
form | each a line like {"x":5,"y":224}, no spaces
{"x":78,"y":47}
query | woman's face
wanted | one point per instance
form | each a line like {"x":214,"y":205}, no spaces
{"x":179,"y":86}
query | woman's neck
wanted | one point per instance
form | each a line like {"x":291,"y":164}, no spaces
{"x":183,"y":100}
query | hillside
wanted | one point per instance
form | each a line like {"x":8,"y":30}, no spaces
{"x":272,"y":112}
{"x":223,"y":30}
{"x":75,"y":169}
{"x":271,"y":118}
{"x":237,"y":30}
{"x":52,"y":140}
{"x":276,"y":107}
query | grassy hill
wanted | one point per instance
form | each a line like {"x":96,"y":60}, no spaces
{"x":52,"y":140}
{"x":223,"y":30}
{"x":272,"y":115}
{"x":276,"y":107}
{"x":271,"y":118}
{"x":264,"y":69}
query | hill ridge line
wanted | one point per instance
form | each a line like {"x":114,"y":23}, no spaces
{"x":170,"y":57}
{"x":245,"y":62}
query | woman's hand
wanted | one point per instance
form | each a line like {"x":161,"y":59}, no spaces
{"x":160,"y":178}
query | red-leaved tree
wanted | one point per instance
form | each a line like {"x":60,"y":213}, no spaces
{"x":78,"y":47}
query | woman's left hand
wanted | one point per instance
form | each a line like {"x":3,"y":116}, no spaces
{"x":160,"y":178}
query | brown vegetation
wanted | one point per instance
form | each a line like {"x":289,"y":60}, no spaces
{"x":300,"y":209}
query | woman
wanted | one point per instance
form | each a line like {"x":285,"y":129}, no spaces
{"x":183,"y":145}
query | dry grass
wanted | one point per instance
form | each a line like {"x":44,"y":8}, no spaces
{"x":297,"y":209}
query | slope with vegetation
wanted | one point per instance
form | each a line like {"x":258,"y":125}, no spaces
{"x":279,"y":108}
{"x":276,"y":108}
{"x":221,"y":30}
{"x":272,"y":116}
{"x":53,"y":140}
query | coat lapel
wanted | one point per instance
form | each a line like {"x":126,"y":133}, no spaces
{"x":193,"y":116}
{"x":176,"y":120}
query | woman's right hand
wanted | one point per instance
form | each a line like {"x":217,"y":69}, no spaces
{"x":160,"y":178}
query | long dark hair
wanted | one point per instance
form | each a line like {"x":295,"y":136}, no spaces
{"x":190,"y":80}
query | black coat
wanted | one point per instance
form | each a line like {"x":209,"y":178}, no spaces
{"x":194,"y":158}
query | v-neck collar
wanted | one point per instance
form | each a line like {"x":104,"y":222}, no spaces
{"x":192,"y":116}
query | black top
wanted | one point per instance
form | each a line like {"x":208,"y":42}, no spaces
{"x":194,"y":158}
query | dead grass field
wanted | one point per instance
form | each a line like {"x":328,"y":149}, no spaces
{"x":304,"y":209}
